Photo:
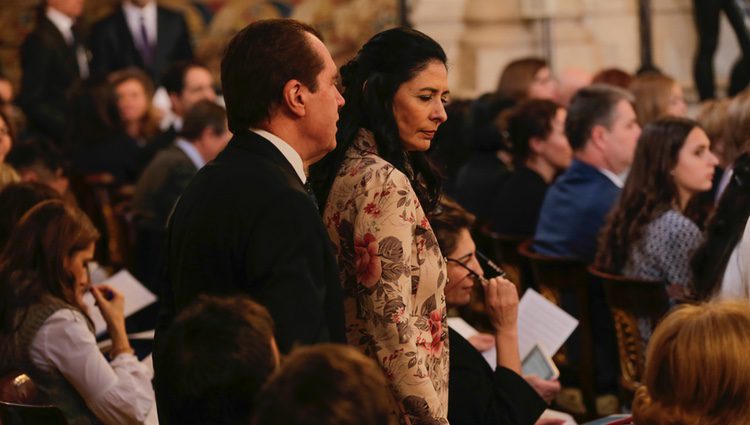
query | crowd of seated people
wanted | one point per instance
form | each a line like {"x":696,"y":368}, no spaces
{"x":604,"y":170}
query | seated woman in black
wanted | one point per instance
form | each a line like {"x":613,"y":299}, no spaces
{"x":477,"y":394}
{"x":536,"y":130}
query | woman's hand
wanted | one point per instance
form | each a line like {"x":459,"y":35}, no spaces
{"x":547,"y":389}
{"x":501,"y":302}
{"x":112,"y":306}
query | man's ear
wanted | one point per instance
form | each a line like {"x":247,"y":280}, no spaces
{"x":294,"y":97}
{"x":536,"y":145}
{"x":599,"y":135}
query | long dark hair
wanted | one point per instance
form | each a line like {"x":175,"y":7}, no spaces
{"x":723,"y":231}
{"x":649,"y":191}
{"x":370,"y":81}
{"x":32,"y":264}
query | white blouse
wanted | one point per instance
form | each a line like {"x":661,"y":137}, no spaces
{"x":117,"y":393}
{"x":736,"y":280}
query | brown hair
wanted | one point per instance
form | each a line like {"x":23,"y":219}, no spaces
{"x":149,"y":124}
{"x":614,"y":77}
{"x":32,"y":264}
{"x":738,"y":126}
{"x":696,"y":367}
{"x":326,"y":384}
{"x":530,"y":119}
{"x":652,"y":92}
{"x":257,"y":64}
{"x":447,"y":222}
{"x":649,"y":190}
{"x":591,"y":106}
{"x":517,"y":77}
{"x":713,"y":118}
{"x":204,"y":114}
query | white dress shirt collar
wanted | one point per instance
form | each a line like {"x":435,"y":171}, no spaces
{"x":62,"y":22}
{"x":613,"y":177}
{"x":191,"y":152}
{"x":289,"y":153}
{"x":133,"y":15}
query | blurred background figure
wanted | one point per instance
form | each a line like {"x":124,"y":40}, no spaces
{"x":656,"y":96}
{"x":614,"y":77}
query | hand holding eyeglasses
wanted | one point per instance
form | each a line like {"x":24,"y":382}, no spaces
{"x":501,"y":302}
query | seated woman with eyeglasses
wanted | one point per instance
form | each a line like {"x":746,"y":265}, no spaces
{"x":479,"y":395}
{"x":46,"y":332}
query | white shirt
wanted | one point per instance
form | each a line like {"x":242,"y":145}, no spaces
{"x":117,"y":393}
{"x":736,"y":281}
{"x":191,"y":152}
{"x":613,"y":177}
{"x":289,"y":153}
{"x":133,"y":15}
{"x":64,"y":24}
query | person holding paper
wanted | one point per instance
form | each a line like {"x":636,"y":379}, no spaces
{"x":479,"y":395}
{"x":46,"y":332}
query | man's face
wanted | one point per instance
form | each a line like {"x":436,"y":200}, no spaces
{"x":322,"y":107}
{"x":71,"y":8}
{"x":198,"y":85}
{"x":621,"y":138}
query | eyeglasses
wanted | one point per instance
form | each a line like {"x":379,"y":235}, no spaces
{"x":474,"y":275}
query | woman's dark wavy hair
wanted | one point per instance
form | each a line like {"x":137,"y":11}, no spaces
{"x":649,"y":191}
{"x":723,"y":231}
{"x":370,"y":81}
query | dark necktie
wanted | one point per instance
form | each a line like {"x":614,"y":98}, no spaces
{"x":147,"y":51}
{"x":311,"y":194}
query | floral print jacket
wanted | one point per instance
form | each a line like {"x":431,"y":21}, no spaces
{"x":393,"y":276}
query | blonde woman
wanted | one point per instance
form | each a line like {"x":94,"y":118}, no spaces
{"x":656,"y":96}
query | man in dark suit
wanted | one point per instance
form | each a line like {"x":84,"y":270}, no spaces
{"x":142,"y":34}
{"x":52,"y":63}
{"x":246,"y":222}
{"x":602,"y":130}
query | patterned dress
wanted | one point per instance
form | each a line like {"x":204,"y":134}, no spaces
{"x":393,"y":276}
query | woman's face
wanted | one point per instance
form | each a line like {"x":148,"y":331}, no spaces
{"x":677,"y":106}
{"x":543,"y":86}
{"x":460,"y":281}
{"x":5,"y":141}
{"x":132,"y":102}
{"x":76,"y":266}
{"x":694,"y":171}
{"x":419,"y":106}
{"x":555,"y":149}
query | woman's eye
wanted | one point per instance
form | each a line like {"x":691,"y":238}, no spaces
{"x":425,"y":98}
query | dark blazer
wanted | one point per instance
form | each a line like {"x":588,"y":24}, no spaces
{"x":246,"y":224}
{"x":482,"y":175}
{"x":574,"y":211}
{"x":481,"y":396}
{"x":516,"y":206}
{"x":49,"y":73}
{"x":113,"y":48}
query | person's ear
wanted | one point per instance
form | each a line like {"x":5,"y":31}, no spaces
{"x":599,"y":135}
{"x":294,"y":97}
{"x":536,"y":145}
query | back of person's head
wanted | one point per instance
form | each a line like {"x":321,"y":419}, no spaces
{"x":371,"y":80}
{"x":325,"y":384}
{"x":653,"y":93}
{"x":738,"y":126}
{"x":713,"y":118}
{"x":15,"y":200}
{"x":696,"y":368}
{"x":214,"y":360}
{"x":447,"y":222}
{"x":517,"y":76}
{"x":204,"y":115}
{"x":34,"y":260}
{"x":39,"y":160}
{"x":258,"y":63}
{"x":649,"y":191}
{"x":614,"y":77}
{"x":530,"y":119}
{"x":591,"y":106}
{"x":723,"y":231}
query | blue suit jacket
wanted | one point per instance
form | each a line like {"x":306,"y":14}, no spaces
{"x":573,"y":213}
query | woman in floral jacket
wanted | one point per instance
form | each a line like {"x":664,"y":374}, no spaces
{"x":376,"y":187}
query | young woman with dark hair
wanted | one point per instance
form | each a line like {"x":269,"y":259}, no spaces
{"x":651,"y":233}
{"x":376,"y":189}
{"x":45,"y":329}
{"x":721,"y":266}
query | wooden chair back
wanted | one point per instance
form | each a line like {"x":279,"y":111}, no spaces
{"x":20,"y":404}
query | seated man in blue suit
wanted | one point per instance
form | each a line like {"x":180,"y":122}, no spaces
{"x":602,"y":130}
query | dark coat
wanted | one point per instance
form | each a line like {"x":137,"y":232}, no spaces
{"x":113,"y":48}
{"x":516,"y":206}
{"x":246,"y":224}
{"x":481,"y":396}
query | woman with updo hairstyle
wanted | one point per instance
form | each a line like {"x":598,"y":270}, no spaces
{"x":376,"y":189}
{"x":697,"y":371}
{"x":657,"y":96}
{"x":45,"y":329}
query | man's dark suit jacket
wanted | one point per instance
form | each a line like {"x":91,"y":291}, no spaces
{"x":49,"y":73}
{"x":573,"y":213}
{"x":113,"y":48}
{"x":481,"y":396}
{"x":245,"y":224}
